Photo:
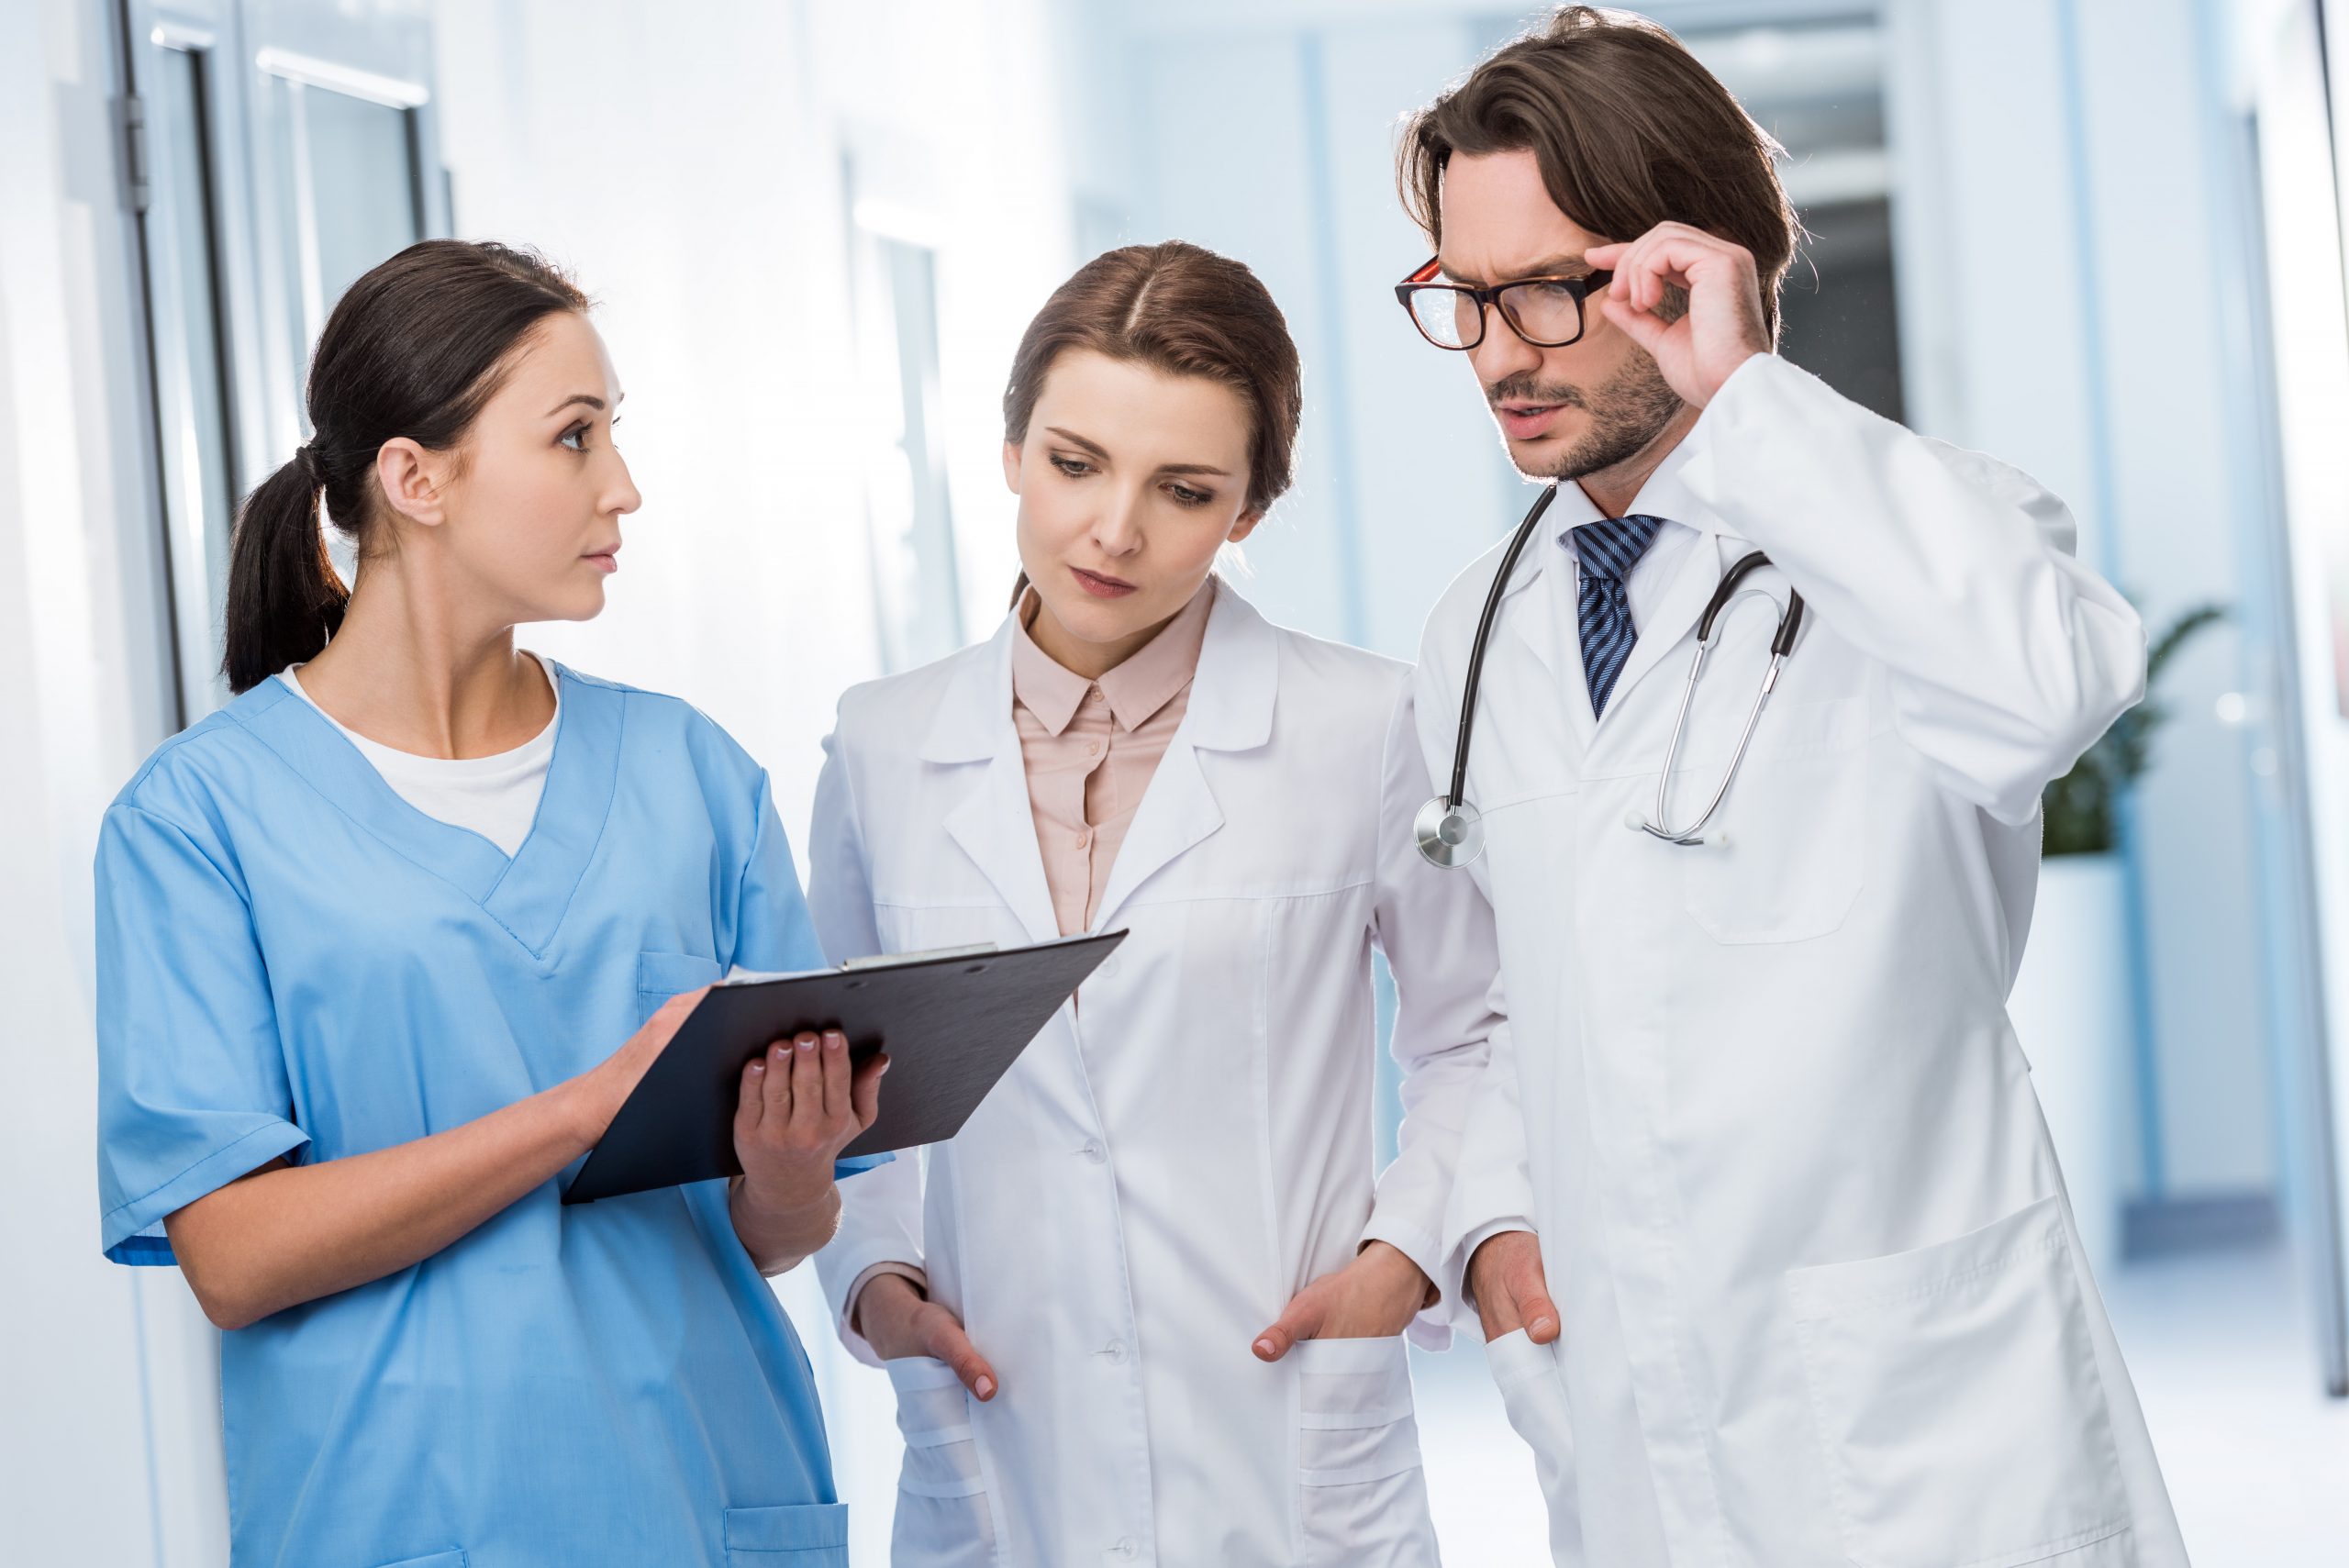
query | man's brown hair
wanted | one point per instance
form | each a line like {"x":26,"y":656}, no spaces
{"x":1629,"y":130}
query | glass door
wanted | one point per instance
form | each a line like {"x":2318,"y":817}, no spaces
{"x":280,"y":147}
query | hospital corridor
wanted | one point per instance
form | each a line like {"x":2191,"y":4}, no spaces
{"x":930,"y":782}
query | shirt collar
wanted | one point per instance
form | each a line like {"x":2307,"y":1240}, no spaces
{"x":1665,"y":494}
{"x":1145,"y":683}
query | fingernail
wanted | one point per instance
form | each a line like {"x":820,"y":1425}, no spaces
{"x":1266,"y":1349}
{"x":807,"y":1045}
{"x":986,"y":1387}
{"x":1541,"y":1326}
{"x":757,"y":1068}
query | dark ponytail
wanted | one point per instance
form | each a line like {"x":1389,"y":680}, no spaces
{"x":416,"y":347}
{"x":284,"y":599}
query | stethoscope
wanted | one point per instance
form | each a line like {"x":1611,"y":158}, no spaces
{"x":1451,"y":831}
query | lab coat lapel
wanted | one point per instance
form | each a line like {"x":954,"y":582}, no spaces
{"x":1537,"y":611}
{"x":1693,"y":578}
{"x":1230,"y":708}
{"x":1529,"y":615}
{"x":992,"y":821}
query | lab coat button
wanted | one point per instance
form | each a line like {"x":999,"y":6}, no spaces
{"x":1094,"y":1151}
{"x":1124,"y":1551}
{"x":1116,"y":1352}
{"x":1108,"y":968}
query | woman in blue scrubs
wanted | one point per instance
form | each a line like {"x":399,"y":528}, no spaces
{"x":385,"y":943}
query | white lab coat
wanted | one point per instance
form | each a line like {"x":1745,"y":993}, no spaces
{"x":1822,"y":1297}
{"x":1186,"y":1146}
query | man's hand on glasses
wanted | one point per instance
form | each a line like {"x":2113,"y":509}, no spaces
{"x":1700,"y":348}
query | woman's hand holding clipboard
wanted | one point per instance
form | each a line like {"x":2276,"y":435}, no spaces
{"x":953,"y":1022}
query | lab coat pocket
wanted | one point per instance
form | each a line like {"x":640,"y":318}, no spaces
{"x":660,"y":976}
{"x":1959,"y":1408}
{"x":449,"y":1559}
{"x":943,"y":1520}
{"x":803,"y":1535}
{"x":1364,"y":1499}
{"x":1792,"y":851}
{"x":1533,"y":1396}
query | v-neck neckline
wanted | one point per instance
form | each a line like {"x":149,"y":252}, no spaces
{"x":526,"y":894}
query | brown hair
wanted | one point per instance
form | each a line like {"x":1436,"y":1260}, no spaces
{"x":1629,"y":130}
{"x":1186,"y":311}
{"x":416,"y":347}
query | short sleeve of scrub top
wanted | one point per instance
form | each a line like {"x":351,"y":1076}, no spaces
{"x":188,"y":1032}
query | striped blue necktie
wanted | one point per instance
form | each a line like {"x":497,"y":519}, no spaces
{"x":1607,"y":552}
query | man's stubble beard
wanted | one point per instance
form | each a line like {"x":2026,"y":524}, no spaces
{"x":1627,"y":416}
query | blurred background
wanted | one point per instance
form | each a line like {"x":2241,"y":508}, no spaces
{"x":2100,"y":239}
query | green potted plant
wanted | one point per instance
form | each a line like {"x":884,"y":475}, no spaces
{"x":2079,"y":809}
{"x":2073,"y":1004}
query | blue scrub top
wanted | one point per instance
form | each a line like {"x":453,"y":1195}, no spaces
{"x":293,"y":961}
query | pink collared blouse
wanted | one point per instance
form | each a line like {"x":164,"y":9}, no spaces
{"x":1091,"y":746}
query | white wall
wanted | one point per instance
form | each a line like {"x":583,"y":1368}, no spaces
{"x":2063,"y":308}
{"x":97,"y":1362}
{"x":1400,"y":480}
{"x":2279,"y":55}
{"x":687,"y":166}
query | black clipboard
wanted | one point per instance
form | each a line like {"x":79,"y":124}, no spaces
{"x":953,"y":1023}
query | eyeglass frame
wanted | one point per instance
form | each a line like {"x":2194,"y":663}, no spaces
{"x":1489,"y":302}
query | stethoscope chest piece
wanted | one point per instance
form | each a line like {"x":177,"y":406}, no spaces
{"x":1450,"y":835}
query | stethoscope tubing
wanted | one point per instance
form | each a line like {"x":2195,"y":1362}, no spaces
{"x":1782,"y":644}
{"x":1457,"y":794}
{"x":1448,"y":828}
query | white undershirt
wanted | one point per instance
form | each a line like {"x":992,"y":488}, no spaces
{"x":496,"y":797}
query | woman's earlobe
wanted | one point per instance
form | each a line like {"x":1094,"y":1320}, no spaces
{"x":1012,"y":468}
{"x":1244,"y":526}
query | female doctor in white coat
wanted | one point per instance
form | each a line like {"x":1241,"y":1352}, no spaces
{"x":1183,"y":1299}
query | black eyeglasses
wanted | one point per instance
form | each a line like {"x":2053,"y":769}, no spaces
{"x":1545,"y":312}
